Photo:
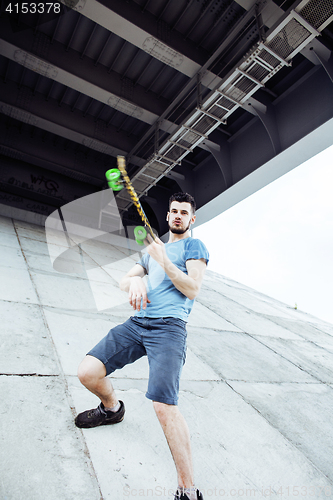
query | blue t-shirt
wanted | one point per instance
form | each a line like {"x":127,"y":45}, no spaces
{"x":166,"y":300}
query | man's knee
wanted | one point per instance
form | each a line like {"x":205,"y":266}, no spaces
{"x":164,"y":411}
{"x":90,"y":371}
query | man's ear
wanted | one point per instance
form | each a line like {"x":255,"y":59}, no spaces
{"x":167,"y":216}
{"x":193,"y":219}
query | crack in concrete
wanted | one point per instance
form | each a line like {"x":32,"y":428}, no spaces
{"x":307,"y":371}
{"x":28,"y":375}
{"x":254,"y":337}
{"x":62,"y":374}
{"x":281,"y":432}
{"x":273,"y":382}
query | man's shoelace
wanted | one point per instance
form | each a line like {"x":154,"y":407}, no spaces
{"x":96,"y":412}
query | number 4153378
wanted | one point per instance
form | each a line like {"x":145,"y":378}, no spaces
{"x":33,"y":8}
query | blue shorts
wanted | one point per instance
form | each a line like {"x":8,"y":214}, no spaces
{"x":163,"y":340}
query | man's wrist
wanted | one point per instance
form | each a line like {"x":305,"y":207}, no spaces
{"x":166,"y":264}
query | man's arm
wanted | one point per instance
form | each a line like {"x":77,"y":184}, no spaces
{"x":135,"y":286}
{"x":189,"y":284}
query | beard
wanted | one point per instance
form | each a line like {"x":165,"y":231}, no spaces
{"x":179,"y":230}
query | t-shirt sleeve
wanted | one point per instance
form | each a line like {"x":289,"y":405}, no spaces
{"x":197,"y":250}
{"x":144,"y":261}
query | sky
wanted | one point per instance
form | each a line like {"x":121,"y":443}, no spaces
{"x":279,"y":240}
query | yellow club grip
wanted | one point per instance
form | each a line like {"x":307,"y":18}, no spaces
{"x":122,"y":167}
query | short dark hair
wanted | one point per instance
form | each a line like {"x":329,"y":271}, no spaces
{"x":183,"y":197}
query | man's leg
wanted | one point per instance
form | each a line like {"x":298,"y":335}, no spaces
{"x":92,"y":374}
{"x":165,"y":343}
{"x":118,"y":348}
{"x":178,"y":437}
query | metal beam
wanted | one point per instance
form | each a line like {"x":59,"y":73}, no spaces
{"x":126,"y":21}
{"x":47,"y":115}
{"x":22,"y":146}
{"x":242,"y":82}
{"x":83,"y":76}
{"x":201,"y":74}
{"x":246,"y":4}
{"x":92,"y":81}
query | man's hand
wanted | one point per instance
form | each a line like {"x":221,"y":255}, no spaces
{"x":157,"y":251}
{"x":135,"y":286}
{"x":137,"y":291}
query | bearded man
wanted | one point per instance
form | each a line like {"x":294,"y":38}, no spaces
{"x":157,"y":330}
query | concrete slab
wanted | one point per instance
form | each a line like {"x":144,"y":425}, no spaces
{"x":235,"y":356}
{"x":106,"y":252}
{"x":100,"y":275}
{"x":106,"y":293}
{"x":16,"y":285}
{"x":202,"y":317}
{"x":244,"y":319}
{"x":314,"y":332}
{"x":302,"y":413}
{"x":263,"y":432}
{"x":43,"y":454}
{"x":196,"y":369}
{"x":243,"y":457}
{"x":261,"y":303}
{"x":12,"y":257}
{"x":317,"y":323}
{"x":38,"y":262}
{"x":56,"y":236}
{"x":245,"y":452}
{"x":32,"y":231}
{"x":8,"y":240}
{"x":313,"y":359}
{"x":94,"y":289}
{"x":328,"y":348}
{"x":6,"y":225}
{"x":26,"y":347}
{"x":122,"y":264}
{"x":34,"y":245}
{"x":72,"y":262}
{"x":64,"y":292}
{"x":250,"y":299}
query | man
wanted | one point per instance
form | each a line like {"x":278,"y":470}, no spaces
{"x":175,"y":271}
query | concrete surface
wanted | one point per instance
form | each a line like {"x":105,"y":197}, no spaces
{"x":256,"y":390}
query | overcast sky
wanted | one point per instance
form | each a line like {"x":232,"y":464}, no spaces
{"x":279,"y":241}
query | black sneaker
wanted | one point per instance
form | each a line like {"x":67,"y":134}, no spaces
{"x":99,"y":416}
{"x":182,"y":496}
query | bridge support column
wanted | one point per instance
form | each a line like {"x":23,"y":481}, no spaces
{"x":223,"y":159}
{"x":327,"y":65}
{"x":266,"y":114}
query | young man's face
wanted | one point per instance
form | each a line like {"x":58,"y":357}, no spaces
{"x":180,"y":217}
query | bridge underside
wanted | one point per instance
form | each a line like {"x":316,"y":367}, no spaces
{"x":200,"y":96}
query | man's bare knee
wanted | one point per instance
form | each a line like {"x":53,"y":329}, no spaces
{"x":164,"y":411}
{"x":90,"y":371}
